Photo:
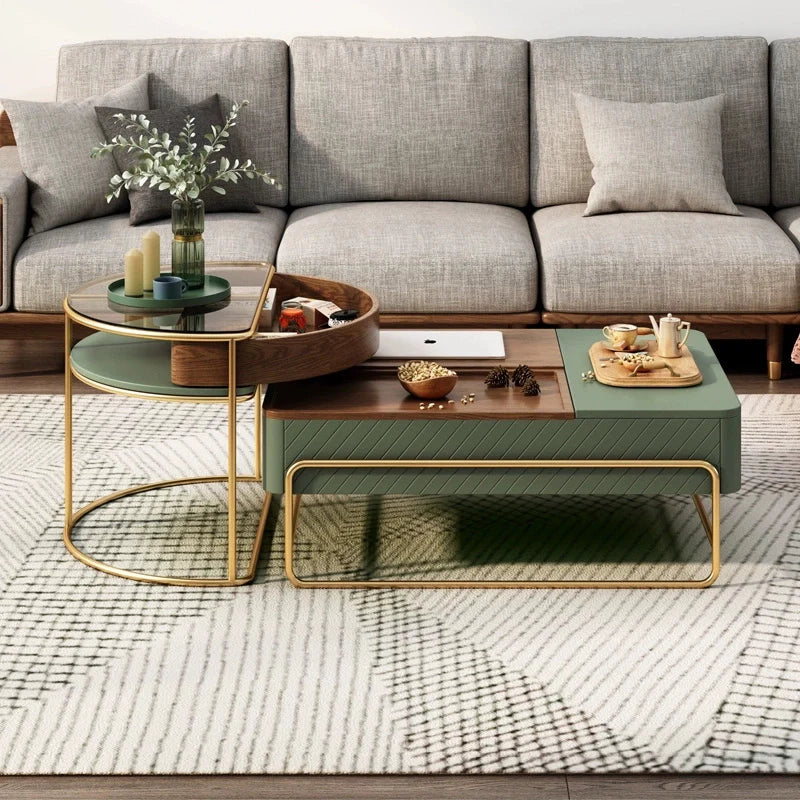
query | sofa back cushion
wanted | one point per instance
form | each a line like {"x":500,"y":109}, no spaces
{"x":185,"y":71}
{"x":785,"y":110}
{"x":409,"y":119}
{"x":650,"y":71}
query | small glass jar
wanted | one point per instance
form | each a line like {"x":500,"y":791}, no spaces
{"x":292,"y":320}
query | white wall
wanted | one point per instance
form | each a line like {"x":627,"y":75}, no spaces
{"x":31,"y":31}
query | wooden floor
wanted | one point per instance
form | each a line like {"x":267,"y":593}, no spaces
{"x":397,"y":787}
{"x":36,"y":367}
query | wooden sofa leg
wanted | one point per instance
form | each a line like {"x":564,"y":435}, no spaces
{"x":774,"y":351}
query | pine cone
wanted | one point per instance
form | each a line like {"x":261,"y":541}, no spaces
{"x":498,"y":377}
{"x":531,"y":387}
{"x":521,"y":374}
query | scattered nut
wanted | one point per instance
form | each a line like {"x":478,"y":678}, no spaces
{"x":431,"y":405}
{"x":440,"y":405}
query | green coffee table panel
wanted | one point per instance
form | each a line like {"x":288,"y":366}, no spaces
{"x":714,"y":397}
{"x":288,"y":441}
{"x":135,"y":365}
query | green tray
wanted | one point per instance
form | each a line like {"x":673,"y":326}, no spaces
{"x":213,"y":290}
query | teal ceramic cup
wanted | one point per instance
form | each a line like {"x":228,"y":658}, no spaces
{"x":169,"y":287}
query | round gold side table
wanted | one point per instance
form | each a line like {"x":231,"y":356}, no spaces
{"x":129,"y":355}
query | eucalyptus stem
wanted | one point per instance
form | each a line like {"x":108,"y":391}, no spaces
{"x":185,"y":168}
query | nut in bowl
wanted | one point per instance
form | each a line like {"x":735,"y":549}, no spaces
{"x":426,"y":379}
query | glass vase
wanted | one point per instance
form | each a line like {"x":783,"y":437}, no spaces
{"x":188,"y":247}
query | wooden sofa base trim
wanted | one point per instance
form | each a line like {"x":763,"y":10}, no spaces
{"x":521,"y":319}
{"x":27,"y":325}
{"x":31,"y":326}
{"x":563,"y":318}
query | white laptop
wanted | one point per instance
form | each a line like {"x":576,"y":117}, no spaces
{"x":449,"y":343}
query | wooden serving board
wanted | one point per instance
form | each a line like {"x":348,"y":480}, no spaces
{"x":613,"y":374}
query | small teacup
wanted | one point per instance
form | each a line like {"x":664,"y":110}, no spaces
{"x":621,"y":335}
{"x":168,"y":287}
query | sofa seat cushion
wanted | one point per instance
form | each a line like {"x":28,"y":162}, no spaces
{"x":53,"y":263}
{"x":418,"y":256}
{"x":662,"y":261}
{"x":789,"y":220}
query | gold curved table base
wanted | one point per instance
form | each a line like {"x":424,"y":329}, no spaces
{"x":231,"y":399}
{"x":122,"y":572}
{"x":710,"y":526}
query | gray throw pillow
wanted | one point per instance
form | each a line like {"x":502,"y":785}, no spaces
{"x":655,"y":156}
{"x":149,"y":204}
{"x":54,"y":142}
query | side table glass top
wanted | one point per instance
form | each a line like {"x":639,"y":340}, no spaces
{"x":237,"y":315}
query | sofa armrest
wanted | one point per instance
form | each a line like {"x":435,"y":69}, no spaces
{"x":13,"y":217}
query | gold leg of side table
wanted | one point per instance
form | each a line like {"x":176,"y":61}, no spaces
{"x":711,"y":525}
{"x":232,"y":577}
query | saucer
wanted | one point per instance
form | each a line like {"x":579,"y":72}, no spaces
{"x":636,"y":348}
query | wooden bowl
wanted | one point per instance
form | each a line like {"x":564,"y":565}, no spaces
{"x":647,"y":366}
{"x":432,"y":388}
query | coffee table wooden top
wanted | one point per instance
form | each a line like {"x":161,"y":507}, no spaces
{"x":372,"y":391}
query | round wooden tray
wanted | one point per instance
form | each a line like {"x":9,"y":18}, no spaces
{"x":287,"y":358}
{"x":214,"y":290}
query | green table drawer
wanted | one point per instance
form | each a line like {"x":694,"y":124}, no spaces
{"x":298,"y":440}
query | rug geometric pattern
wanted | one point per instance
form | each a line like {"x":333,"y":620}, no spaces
{"x":103,"y":675}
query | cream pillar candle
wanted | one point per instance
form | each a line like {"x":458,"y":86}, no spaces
{"x":133,"y":273}
{"x":151,"y":253}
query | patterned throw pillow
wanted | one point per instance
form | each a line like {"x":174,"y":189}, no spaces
{"x":149,"y":204}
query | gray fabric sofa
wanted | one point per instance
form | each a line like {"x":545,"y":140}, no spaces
{"x":449,"y":177}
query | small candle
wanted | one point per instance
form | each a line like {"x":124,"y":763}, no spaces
{"x":151,"y":253}
{"x":133,"y":273}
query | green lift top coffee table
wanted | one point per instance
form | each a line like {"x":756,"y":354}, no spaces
{"x":356,"y":432}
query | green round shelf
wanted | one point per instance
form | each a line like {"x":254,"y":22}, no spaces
{"x":137,"y":365}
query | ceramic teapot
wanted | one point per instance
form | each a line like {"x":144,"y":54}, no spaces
{"x":667,"y":333}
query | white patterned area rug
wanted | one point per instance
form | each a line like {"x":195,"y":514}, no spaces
{"x":104,"y":675}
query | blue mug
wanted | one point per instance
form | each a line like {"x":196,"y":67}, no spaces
{"x":169,"y":287}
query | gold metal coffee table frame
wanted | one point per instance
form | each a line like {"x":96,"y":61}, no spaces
{"x":231,"y":576}
{"x":710,"y":526}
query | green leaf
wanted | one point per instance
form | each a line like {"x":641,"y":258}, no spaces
{"x":218,"y":189}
